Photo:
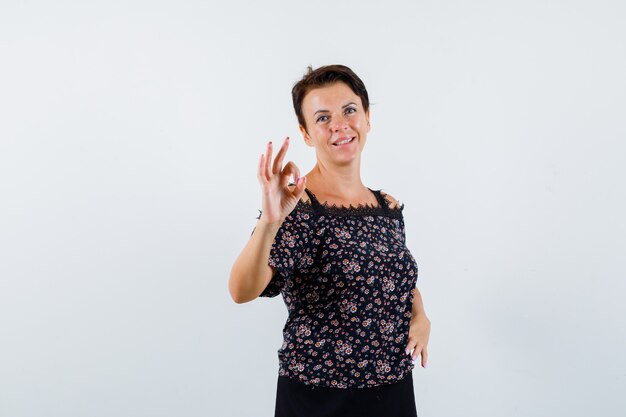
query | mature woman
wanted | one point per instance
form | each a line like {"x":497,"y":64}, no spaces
{"x":336,"y":251}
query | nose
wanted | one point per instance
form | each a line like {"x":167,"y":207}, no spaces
{"x":339,"y":124}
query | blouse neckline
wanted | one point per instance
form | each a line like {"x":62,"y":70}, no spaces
{"x":382,"y":209}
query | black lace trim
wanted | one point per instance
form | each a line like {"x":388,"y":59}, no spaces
{"x":400,"y":205}
{"x":360,"y":210}
{"x":355,"y":211}
{"x":351,"y":210}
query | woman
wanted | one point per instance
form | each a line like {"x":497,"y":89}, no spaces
{"x":335,"y":249}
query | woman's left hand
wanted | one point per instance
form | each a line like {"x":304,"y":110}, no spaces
{"x":419,"y":332}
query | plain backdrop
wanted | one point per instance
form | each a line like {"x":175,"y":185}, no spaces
{"x":130,"y":133}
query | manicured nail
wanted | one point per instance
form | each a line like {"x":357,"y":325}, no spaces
{"x":407,"y":352}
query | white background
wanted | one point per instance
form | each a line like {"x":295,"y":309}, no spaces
{"x":130,"y":133}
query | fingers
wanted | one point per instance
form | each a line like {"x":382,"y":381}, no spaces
{"x":416,"y":352}
{"x":278,"y":162}
{"x":261,"y":170}
{"x":412,"y":347}
{"x":266,"y":167}
{"x":299,"y":189}
{"x":268,"y":160}
{"x":409,"y":349}
{"x":290,"y":169}
{"x":417,"y":349}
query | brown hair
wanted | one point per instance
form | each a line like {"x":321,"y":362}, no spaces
{"x":322,"y":77}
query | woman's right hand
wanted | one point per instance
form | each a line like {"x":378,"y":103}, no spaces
{"x":278,"y":199}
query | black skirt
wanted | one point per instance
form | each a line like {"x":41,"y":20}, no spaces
{"x":295,"y":399}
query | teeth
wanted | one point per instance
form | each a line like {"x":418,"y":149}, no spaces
{"x":343,"y":142}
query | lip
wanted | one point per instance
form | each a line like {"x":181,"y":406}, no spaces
{"x":344,"y":138}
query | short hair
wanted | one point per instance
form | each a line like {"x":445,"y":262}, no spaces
{"x":322,"y":77}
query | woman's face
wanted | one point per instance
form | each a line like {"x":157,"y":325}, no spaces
{"x":333,"y":115}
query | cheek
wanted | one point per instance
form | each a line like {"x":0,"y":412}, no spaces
{"x":320,"y":132}
{"x":360,"y":125}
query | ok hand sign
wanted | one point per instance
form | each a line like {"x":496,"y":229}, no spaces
{"x":278,"y":199}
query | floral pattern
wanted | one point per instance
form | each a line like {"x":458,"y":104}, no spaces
{"x":348,"y":281}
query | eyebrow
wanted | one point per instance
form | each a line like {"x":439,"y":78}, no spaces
{"x":343,"y":107}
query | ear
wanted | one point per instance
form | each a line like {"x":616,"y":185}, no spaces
{"x":367,"y":116}
{"x":305,"y":135}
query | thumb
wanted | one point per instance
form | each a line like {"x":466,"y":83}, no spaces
{"x":299,"y":188}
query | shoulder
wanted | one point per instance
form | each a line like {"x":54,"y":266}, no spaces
{"x":393,"y":202}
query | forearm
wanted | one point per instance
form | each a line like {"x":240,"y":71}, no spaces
{"x":251,"y":273}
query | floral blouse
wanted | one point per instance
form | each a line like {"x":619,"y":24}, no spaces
{"x":348,"y":281}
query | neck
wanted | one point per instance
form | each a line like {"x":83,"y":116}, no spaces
{"x":345,"y":180}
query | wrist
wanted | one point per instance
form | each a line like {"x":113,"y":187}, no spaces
{"x":269,"y":225}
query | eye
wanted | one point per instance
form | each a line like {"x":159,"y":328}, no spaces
{"x":319,"y":119}
{"x":350,"y":110}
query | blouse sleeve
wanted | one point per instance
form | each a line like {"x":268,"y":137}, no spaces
{"x":286,"y":251}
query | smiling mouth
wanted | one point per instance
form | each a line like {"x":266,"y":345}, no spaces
{"x":344,"y":143}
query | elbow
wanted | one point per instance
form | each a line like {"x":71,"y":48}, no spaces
{"x":236,"y":293}
{"x":239,"y":299}
{"x":234,"y":287}
{"x":235,"y":297}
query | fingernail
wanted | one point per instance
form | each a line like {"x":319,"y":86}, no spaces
{"x":407,"y":351}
